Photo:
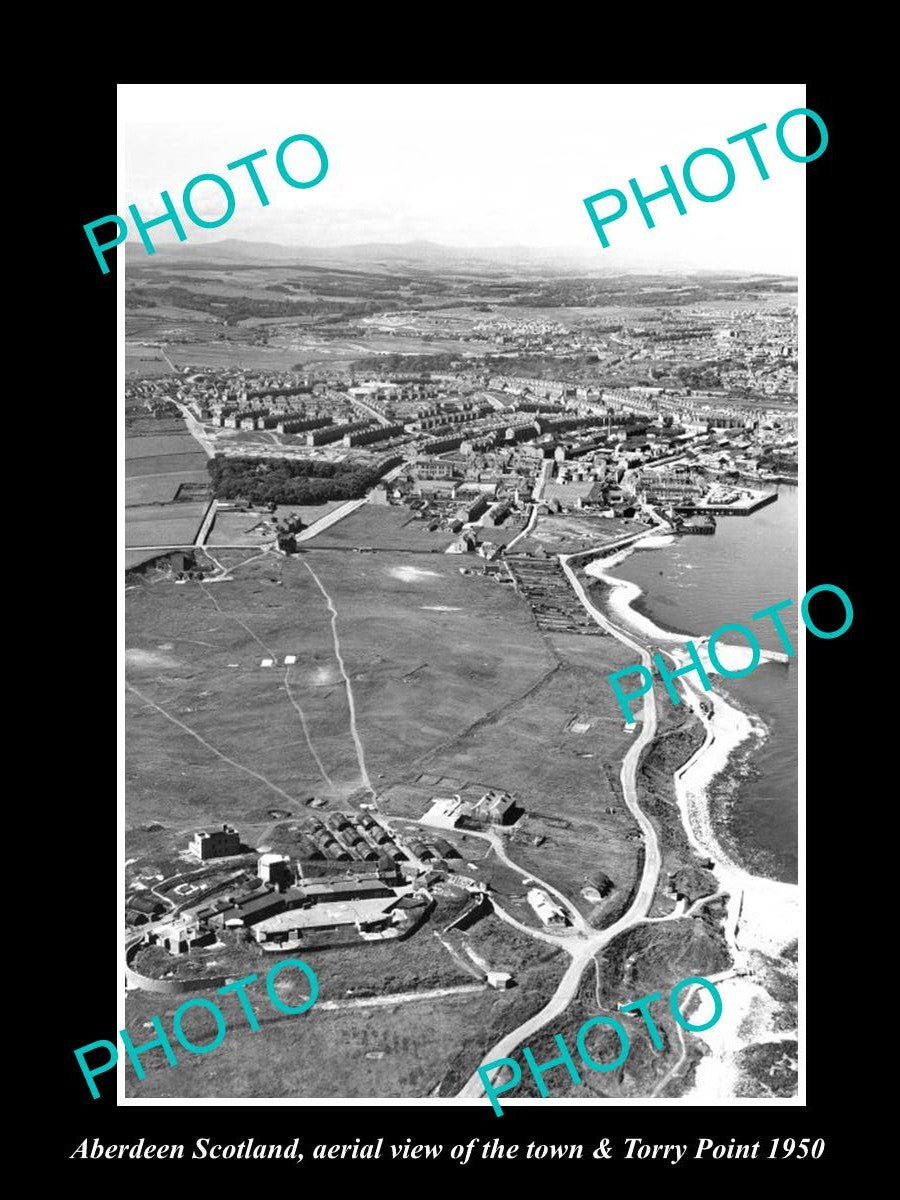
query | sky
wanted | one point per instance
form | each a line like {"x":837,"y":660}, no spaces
{"x":476,"y":166}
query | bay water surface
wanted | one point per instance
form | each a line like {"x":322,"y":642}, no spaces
{"x":698,"y":583}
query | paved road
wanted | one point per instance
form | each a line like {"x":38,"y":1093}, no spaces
{"x":372,"y":412}
{"x":588,"y":945}
{"x":496,"y":841}
{"x":553,"y":939}
{"x":525,"y":532}
{"x":206,"y":525}
{"x":336,"y":514}
{"x":195,"y":429}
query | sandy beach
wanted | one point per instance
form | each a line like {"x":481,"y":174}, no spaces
{"x":763,"y":914}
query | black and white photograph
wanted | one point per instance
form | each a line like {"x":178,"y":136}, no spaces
{"x":476,"y":798}
{"x":464,"y":610}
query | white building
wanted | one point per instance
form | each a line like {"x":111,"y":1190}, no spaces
{"x":444,"y":813}
{"x":548,"y":910}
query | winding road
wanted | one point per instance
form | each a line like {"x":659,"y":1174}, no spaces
{"x":585,"y":945}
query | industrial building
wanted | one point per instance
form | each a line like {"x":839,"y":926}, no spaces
{"x":183,"y":935}
{"x":277,"y":870}
{"x":444,"y":812}
{"x":493,"y":808}
{"x":217,"y":844}
{"x":143,"y":908}
{"x":496,"y":808}
{"x":250,"y":910}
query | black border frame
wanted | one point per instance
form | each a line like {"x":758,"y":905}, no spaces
{"x":85,"y":960}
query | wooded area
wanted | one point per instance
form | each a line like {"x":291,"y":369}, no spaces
{"x":289,"y":480}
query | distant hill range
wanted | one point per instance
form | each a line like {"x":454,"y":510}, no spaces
{"x":422,"y":254}
{"x":398,"y":256}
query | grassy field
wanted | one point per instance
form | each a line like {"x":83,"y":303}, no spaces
{"x":157,"y":322}
{"x":148,"y":514}
{"x":388,"y":527}
{"x":449,"y":676}
{"x":151,"y":489}
{"x":157,"y":462}
{"x":159,"y":489}
{"x":566,"y":534}
{"x":680,"y":734}
{"x":212,"y":680}
{"x":452,"y":684}
{"x":163,"y":524}
{"x":419,"y":1048}
{"x":144,"y":426}
{"x":140,"y":360}
{"x":560,"y":777}
{"x":234,"y":353}
{"x":162,"y":444}
{"x":187,"y":464}
{"x":247,"y":529}
{"x":241,"y":529}
{"x":134,"y":558}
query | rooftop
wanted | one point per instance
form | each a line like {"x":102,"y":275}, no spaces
{"x":344,"y":912}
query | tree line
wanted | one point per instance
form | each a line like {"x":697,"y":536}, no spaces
{"x":289,"y":480}
{"x":234,"y":309}
{"x":406,"y":364}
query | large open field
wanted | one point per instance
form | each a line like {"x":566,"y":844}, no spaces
{"x":183,"y":464}
{"x":551,"y":750}
{"x":145,"y":360}
{"x":195,"y":650}
{"x":163,"y":524}
{"x":145,"y":446}
{"x":160,"y":489}
{"x":449,"y":676}
{"x":161,"y":456}
{"x":236,"y":353}
{"x":388,"y":527}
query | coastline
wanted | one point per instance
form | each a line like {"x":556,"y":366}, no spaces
{"x":762,"y":922}
{"x":735,"y":725}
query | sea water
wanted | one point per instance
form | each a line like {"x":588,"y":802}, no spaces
{"x":698,"y":583}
